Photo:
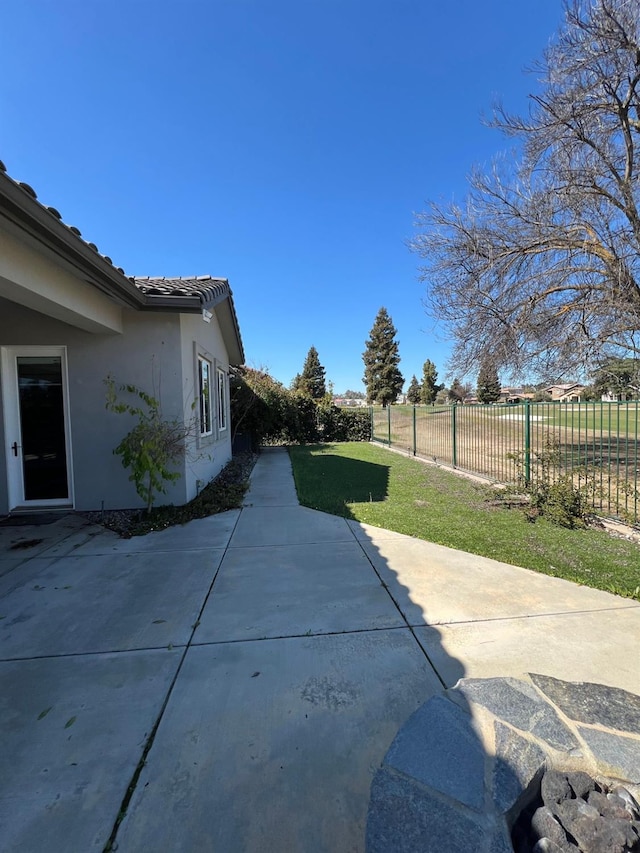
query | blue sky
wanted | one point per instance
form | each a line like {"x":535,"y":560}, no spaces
{"x":283,"y":144}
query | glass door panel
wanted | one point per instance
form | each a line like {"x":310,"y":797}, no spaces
{"x":41,"y":405}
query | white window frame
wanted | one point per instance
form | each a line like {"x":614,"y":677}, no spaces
{"x":205,"y":401}
{"x":223,"y":411}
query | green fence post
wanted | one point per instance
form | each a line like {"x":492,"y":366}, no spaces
{"x":373,"y":436}
{"x":389,"y":423}
{"x":454,"y":450}
{"x":527,"y":442}
{"x":414,"y":431}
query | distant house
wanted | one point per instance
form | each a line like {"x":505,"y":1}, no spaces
{"x":571,"y":392}
{"x":349,"y":402}
{"x":68,"y":319}
{"x":514,"y":395}
{"x":615,"y":397}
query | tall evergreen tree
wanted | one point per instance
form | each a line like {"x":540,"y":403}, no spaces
{"x":457,"y":391}
{"x":430,"y":387}
{"x":488,"y":383}
{"x":312,"y":378}
{"x":413,"y":391}
{"x":382,"y":377}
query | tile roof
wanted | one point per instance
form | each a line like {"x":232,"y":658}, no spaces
{"x":209,"y":289}
{"x":566,"y":386}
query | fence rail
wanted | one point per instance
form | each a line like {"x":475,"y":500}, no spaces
{"x":594,"y":443}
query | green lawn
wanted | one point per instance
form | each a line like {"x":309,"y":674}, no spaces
{"x":372,"y":485}
{"x":617,"y":418}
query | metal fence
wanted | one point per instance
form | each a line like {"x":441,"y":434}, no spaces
{"x":595,"y":444}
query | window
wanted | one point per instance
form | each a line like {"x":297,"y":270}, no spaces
{"x":222,"y":401}
{"x":204,"y":391}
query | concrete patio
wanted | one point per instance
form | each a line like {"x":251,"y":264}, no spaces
{"x":233,"y":684}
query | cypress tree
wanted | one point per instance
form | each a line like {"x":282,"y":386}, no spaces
{"x":430,"y":388}
{"x":488,"y":383}
{"x":456,"y":392}
{"x":312,"y":379}
{"x":382,"y":377}
{"x":414,"y":391}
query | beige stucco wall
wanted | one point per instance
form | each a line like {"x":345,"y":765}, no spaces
{"x":155,"y":352}
{"x":206,"y":456}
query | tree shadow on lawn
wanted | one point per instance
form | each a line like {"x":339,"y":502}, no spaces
{"x":343,"y":481}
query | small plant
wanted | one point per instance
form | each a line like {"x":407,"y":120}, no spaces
{"x":562,"y":502}
{"x":152,"y":446}
{"x":552,"y":494}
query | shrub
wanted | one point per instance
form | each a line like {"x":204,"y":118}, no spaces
{"x":553,"y":494}
{"x":273,"y":414}
{"x":561,"y":502}
{"x":152,"y":446}
{"x":338,"y":424}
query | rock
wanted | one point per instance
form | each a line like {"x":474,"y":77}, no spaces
{"x":545,"y":845}
{"x":630,"y":802}
{"x":406,"y":816}
{"x":545,"y":825}
{"x":555,"y":788}
{"x":581,"y":783}
{"x":608,"y":805}
{"x":599,"y":835}
{"x":570,"y":811}
{"x":439,"y":747}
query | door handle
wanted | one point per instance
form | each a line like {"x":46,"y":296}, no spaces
{"x":14,"y":447}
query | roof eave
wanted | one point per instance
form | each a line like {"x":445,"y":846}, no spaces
{"x":26,"y":213}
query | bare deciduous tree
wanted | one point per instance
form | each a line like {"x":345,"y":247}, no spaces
{"x":541,"y":267}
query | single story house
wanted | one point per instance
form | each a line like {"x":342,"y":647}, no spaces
{"x":570,"y":392}
{"x":69,"y":319}
{"x":509,"y":394}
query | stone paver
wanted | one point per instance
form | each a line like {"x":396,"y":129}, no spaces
{"x":479,"y":746}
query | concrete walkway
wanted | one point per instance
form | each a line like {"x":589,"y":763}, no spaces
{"x":233,"y":684}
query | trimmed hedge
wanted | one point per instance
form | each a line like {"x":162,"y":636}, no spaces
{"x":338,"y":424}
{"x":271,"y":414}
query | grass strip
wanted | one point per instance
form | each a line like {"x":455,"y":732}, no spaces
{"x":371,"y":485}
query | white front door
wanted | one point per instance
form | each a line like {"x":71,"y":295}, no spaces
{"x":36,"y":426}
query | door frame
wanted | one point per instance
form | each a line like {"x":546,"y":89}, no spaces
{"x":12,"y":429}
